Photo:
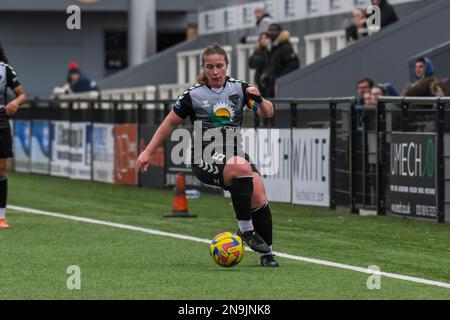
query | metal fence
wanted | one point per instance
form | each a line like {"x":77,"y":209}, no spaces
{"x":360,"y":137}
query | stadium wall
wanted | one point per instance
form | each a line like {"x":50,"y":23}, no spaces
{"x":162,"y":68}
{"x":41,"y":48}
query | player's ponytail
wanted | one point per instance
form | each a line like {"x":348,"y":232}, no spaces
{"x":212,"y":49}
{"x":3,"y":57}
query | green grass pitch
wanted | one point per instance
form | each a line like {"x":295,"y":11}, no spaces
{"x":123,"y":264}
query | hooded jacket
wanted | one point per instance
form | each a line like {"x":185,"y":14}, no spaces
{"x":282,"y":60}
{"x":427,"y":85}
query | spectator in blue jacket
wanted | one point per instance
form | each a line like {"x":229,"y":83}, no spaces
{"x":78,"y":81}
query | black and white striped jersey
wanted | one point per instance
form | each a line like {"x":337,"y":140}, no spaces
{"x":214,"y":107}
{"x":8,"y":78}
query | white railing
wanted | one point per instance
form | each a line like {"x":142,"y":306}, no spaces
{"x":171,"y":91}
{"x":241,"y":16}
{"x":320,"y":45}
{"x":244,"y":51}
{"x":137,"y":93}
{"x":78,"y":96}
{"x":189,"y":63}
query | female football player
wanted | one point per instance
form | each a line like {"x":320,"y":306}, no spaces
{"x":8,"y":78}
{"x":216,"y":103}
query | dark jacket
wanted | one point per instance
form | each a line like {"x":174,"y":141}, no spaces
{"x":353,"y":33}
{"x":282,"y":60}
{"x":84,"y":84}
{"x":427,"y":87}
{"x":422,"y":86}
{"x":259,"y":60}
{"x":388,"y":14}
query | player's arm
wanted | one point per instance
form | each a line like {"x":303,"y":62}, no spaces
{"x":170,"y":123}
{"x":13,"y":82}
{"x":264,"y":108}
{"x":12,"y":107}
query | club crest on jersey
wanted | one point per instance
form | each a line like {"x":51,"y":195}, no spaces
{"x":221,"y":114}
{"x":234,"y":99}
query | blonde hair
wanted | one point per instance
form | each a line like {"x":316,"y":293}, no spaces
{"x":212,"y":49}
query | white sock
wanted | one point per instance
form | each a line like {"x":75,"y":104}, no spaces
{"x":2,"y":213}
{"x":245,"y":225}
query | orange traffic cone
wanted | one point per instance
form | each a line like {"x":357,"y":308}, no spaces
{"x":180,"y":204}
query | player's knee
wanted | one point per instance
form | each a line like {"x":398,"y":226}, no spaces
{"x":240,"y":170}
{"x":258,"y":200}
{"x":239,"y":167}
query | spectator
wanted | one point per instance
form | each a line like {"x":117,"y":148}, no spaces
{"x":363,"y":87}
{"x":426,"y":84}
{"x":282,"y":59}
{"x":390,"y":90}
{"x":78,"y":82}
{"x":446,"y":81}
{"x":263,"y":20}
{"x":366,"y":98}
{"x":375,"y":93}
{"x":359,"y":27}
{"x":439,"y":88}
{"x":259,"y":60}
{"x":388,"y":15}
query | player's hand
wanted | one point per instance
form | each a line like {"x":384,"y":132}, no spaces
{"x":254,"y":94}
{"x":143,"y":161}
{"x":11,"y":108}
{"x":253,"y":91}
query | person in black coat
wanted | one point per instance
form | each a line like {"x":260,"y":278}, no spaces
{"x":282,"y":59}
{"x":259,"y":60}
{"x":388,"y":15}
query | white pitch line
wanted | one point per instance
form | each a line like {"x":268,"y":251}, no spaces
{"x":185,"y":237}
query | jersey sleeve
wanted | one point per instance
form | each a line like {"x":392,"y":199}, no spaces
{"x":12,"y":80}
{"x":183,"y":106}
{"x":245,"y":85}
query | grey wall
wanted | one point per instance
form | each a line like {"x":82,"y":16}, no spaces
{"x":383,"y":56}
{"x":41,"y":48}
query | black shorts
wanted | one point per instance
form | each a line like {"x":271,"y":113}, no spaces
{"x":212,"y":173}
{"x":6,"y":146}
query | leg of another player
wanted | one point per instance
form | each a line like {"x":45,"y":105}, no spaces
{"x":3,"y":194}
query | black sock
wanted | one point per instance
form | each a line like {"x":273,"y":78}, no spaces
{"x":262,"y":221}
{"x":3,"y":191}
{"x":241,"y":195}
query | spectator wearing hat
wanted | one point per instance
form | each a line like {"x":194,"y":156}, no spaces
{"x":79,"y":82}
